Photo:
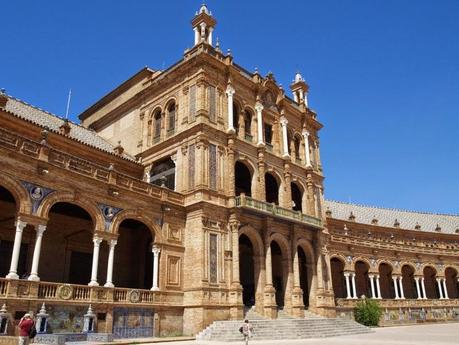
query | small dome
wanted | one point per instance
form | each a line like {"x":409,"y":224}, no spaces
{"x":298,"y":77}
{"x":204,"y":9}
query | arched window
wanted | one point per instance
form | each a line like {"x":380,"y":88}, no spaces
{"x":297,"y":197}
{"x":243,"y":179}
{"x":272,"y":189}
{"x":163,"y":173}
{"x":297,"y":144}
{"x":157,"y":126}
{"x":236,"y":117}
{"x":171,"y":118}
{"x":248,"y":125}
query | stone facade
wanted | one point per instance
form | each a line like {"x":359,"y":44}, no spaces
{"x":184,"y":197}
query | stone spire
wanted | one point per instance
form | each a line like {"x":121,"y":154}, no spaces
{"x":203,"y":25}
{"x":300,"y":89}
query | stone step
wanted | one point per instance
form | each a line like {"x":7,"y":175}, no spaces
{"x":283,"y":328}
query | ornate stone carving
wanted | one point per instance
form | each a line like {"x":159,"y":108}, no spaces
{"x":109,"y":212}
{"x":134,"y":296}
{"x":65,"y":291}
{"x":37,"y":194}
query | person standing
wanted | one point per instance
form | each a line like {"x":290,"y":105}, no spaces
{"x":25,"y":325}
{"x":246,"y":330}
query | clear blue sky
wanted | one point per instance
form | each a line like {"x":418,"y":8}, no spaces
{"x":384,"y":75}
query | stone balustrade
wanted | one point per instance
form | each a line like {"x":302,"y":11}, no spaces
{"x":61,"y":292}
{"x":269,"y":208}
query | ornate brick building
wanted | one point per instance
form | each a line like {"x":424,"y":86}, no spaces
{"x":192,"y":194}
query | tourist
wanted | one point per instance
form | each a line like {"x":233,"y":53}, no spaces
{"x":25,"y":326}
{"x":246,"y":329}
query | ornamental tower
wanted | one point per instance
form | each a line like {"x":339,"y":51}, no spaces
{"x":203,"y":26}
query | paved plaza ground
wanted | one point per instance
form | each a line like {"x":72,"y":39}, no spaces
{"x":431,"y":334}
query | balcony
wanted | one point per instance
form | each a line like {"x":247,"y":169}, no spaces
{"x":83,"y":294}
{"x":247,"y":202}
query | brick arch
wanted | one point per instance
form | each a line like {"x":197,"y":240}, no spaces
{"x":134,"y":215}
{"x":19,"y":193}
{"x":283,"y":244}
{"x":254,"y":237}
{"x":69,"y":197}
{"x":337,"y":275}
{"x":362,"y":277}
{"x":155,"y":110}
{"x":170,"y":100}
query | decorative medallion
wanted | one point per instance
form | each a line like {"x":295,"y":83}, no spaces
{"x":109,"y":212}
{"x":37,"y":194}
{"x":65,"y":291}
{"x":134,"y":296}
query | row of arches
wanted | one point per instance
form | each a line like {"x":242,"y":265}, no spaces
{"x":66,"y":247}
{"x":274,"y":267}
{"x":244,"y":184}
{"x":162,"y":123}
{"x":385,"y":284}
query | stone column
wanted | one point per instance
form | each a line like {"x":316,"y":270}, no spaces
{"x":269,"y":268}
{"x":259,"y":109}
{"x":284,"y":122}
{"x":440,"y":289}
{"x":418,"y":290}
{"x":394,"y":279}
{"x":95,"y":261}
{"x":111,"y":256}
{"x":40,"y":229}
{"x":296,"y":270}
{"x":348,"y":286}
{"x":230,"y":92}
{"x":155,"y":250}
{"x":423,"y":286}
{"x":307,"y":157}
{"x":234,"y":226}
{"x":209,"y":40}
{"x":378,"y":288}
{"x":13,"y":274}
{"x":196,"y":35}
{"x":402,"y":293}
{"x":372,"y":277}
{"x":445,"y":291}
{"x":354,"y":288}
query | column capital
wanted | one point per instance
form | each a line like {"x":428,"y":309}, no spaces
{"x":155,"y":250}
{"x":305,"y":133}
{"x":112,"y":243}
{"x":40,"y":229}
{"x":20,"y":225}
{"x":283,"y":121}
{"x":97,"y":241}
{"x":230,"y":90}
{"x":258,"y":106}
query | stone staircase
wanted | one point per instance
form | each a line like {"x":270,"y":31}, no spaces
{"x":287,"y":327}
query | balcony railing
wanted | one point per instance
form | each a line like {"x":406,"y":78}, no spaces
{"x":272,"y":209}
{"x":49,"y":291}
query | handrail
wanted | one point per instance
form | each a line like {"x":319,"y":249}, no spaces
{"x":269,"y":208}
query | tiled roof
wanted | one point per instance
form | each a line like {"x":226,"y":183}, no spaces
{"x":411,"y":220}
{"x":52,"y":122}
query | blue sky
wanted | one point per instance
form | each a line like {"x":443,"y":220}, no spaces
{"x":383,"y":75}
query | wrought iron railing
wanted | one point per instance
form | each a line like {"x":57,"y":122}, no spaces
{"x":269,"y":208}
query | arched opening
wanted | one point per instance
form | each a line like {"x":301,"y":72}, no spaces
{"x":297,"y":145}
{"x":289,"y":142}
{"x":386,"y":284}
{"x":163,"y":173}
{"x":297,"y":197}
{"x":243,"y":179}
{"x":362,"y":281}
{"x":133,"y":263}
{"x":68,"y":236}
{"x":272,"y":189}
{"x":451,"y":282}
{"x":247,"y":270}
{"x":278,"y":273}
{"x":157,"y":125}
{"x":305,"y":275}
{"x":430,"y":283}
{"x":248,"y":124}
{"x":338,"y":280}
{"x":236,"y":112}
{"x":408,"y":282}
{"x":171,"y":118}
{"x":7,"y":233}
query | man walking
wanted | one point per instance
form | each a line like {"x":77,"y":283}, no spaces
{"x":246,"y":329}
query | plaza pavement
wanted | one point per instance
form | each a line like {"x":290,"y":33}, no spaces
{"x":430,"y":334}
